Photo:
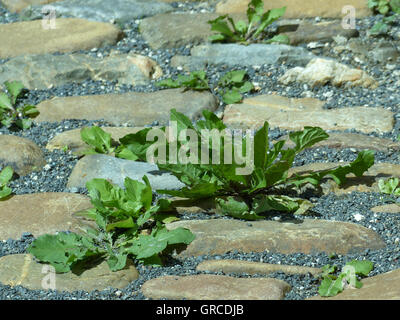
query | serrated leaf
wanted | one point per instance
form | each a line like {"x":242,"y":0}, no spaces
{"x":169,"y":83}
{"x":269,"y":17}
{"x":307,"y":137}
{"x":63,"y":250}
{"x":117,"y":261}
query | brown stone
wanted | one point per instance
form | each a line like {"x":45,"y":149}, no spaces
{"x":218,"y":236}
{"x":22,"y":154}
{"x":133,"y":108}
{"x":29,"y":37}
{"x":44,"y":71}
{"x":385,"y":286}
{"x":387,"y":208}
{"x":73,"y":141}
{"x":295,"y":114}
{"x":324,"y":32}
{"x":22,"y":269}
{"x":170,"y":30}
{"x":238,"y":266}
{"x":41,"y":213}
{"x":18,"y":5}
{"x":299,"y":9}
{"x":214,"y":287}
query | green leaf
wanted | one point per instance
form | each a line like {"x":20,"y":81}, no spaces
{"x":235,"y":207}
{"x":24,"y":123}
{"x":261,"y":144}
{"x":232,"y":77}
{"x":372,"y":4}
{"x":269,"y":17}
{"x":197,"y":191}
{"x":330,"y":287}
{"x":14,"y":88}
{"x":136,"y":143}
{"x":5,"y":101}
{"x":117,"y":261}
{"x":175,"y":236}
{"x":123,"y":152}
{"x":5,"y":192}
{"x":30,"y":111}
{"x":146,"y":246}
{"x":388,"y":186}
{"x":362,"y":268}
{"x":125,"y":224}
{"x":307,"y":137}
{"x":169,"y":83}
{"x":280,"y":38}
{"x":246,"y":87}
{"x":254,"y":11}
{"x":232,"y":96}
{"x":221,"y":26}
{"x":379,"y":27}
{"x":6,"y":175}
{"x":63,"y":250}
{"x":98,"y":139}
{"x":139,"y":192}
{"x":241,"y":26}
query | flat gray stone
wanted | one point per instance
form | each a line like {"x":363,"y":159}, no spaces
{"x":295,"y":114}
{"x":116,"y":170}
{"x":23,"y":270}
{"x":215,"y":287}
{"x":176,"y":30}
{"x":69,"y":35}
{"x":41,"y":213}
{"x":253,"y":54}
{"x":99,"y":10}
{"x":45,"y":71}
{"x":323,"y":32}
{"x":134,"y":108}
{"x":219,"y":236}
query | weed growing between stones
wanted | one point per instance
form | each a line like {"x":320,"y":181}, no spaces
{"x":390,"y":9}
{"x":128,"y":225}
{"x":233,"y":84}
{"x":10,"y":114}
{"x":250,"y":32}
{"x":215,"y":168}
{"x":333,"y":284}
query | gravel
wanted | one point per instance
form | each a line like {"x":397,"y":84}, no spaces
{"x":331,"y":207}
